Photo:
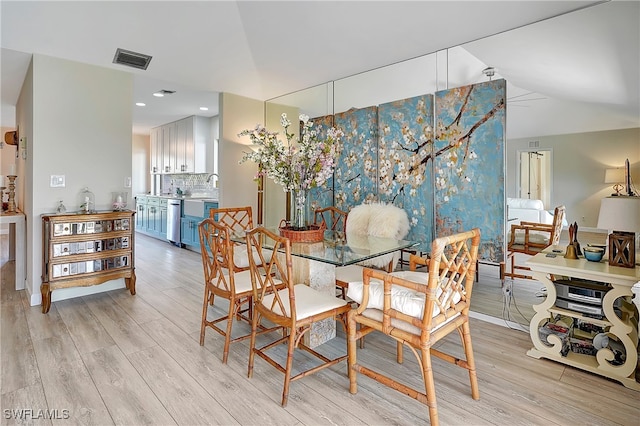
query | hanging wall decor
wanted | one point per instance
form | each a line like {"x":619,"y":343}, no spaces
{"x":355,"y":173}
{"x":469,"y":163}
{"x":405,"y":148}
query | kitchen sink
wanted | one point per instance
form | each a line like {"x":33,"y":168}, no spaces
{"x":196,"y":207}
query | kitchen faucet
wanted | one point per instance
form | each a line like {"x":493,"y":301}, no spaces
{"x":212,"y":175}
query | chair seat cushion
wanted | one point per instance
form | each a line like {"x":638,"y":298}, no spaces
{"x":534,"y":237}
{"x":349,"y":273}
{"x":403,"y":299}
{"x":242,"y":281}
{"x":241,"y":257}
{"x":309,"y":302}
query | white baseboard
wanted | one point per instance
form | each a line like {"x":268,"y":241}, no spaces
{"x":498,"y":321}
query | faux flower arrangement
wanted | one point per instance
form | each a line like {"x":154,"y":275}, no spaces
{"x":298,"y":165}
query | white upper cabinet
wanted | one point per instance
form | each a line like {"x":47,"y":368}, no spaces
{"x":181,"y":146}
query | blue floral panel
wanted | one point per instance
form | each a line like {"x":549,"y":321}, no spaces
{"x":405,"y":163}
{"x":322,"y":196}
{"x":469,"y":164}
{"x":355,"y":175}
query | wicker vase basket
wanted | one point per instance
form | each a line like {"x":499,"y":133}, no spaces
{"x":313,"y":233}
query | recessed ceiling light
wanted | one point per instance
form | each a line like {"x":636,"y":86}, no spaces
{"x":141,"y":104}
{"x":204,"y":109}
{"x":158,"y":94}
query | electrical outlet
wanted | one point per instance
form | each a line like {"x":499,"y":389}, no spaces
{"x":57,"y":181}
{"x":127,"y":182}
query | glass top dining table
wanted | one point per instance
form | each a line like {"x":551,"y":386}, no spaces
{"x":339,"y":249}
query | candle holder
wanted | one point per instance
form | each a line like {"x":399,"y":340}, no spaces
{"x":11,"y":204}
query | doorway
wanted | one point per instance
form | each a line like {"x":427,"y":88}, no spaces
{"x":535,"y":175}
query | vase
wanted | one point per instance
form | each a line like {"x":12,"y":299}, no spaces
{"x":299,"y":200}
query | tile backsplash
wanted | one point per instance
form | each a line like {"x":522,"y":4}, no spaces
{"x":190,"y":183}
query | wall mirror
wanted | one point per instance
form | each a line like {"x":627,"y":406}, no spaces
{"x":455,"y":67}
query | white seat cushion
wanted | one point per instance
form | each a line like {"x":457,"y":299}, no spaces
{"x":403,"y":299}
{"x":308,"y":302}
{"x":349,"y":273}
{"x":241,"y":258}
{"x":242,"y":281}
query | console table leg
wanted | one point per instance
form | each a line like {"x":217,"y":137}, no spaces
{"x":46,"y":297}
{"x":131,"y":283}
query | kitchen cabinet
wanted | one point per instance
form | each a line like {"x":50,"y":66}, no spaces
{"x":80,"y":250}
{"x":152,"y":216}
{"x":168,"y":148}
{"x":180,"y":146}
{"x":141,"y":206}
{"x":557,"y":328}
{"x":189,"y":235}
{"x":189,"y":231}
{"x":156,"y":153}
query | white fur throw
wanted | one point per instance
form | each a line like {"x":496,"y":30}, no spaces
{"x":378,"y":220}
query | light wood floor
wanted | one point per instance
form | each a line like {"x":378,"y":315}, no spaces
{"x":113,"y":358}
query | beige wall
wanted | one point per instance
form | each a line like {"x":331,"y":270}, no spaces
{"x":78,"y":121}
{"x":140,"y":157}
{"x":237,"y":187}
{"x":578,"y":165}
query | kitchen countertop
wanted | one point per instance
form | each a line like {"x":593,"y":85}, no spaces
{"x":183,"y":197}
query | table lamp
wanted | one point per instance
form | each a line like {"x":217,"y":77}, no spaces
{"x":622,"y":215}
{"x":615,"y":176}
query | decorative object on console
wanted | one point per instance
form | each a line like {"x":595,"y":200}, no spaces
{"x":87,"y":201}
{"x":11,"y":203}
{"x":615,"y":176}
{"x":119,"y":200}
{"x":299,"y":165}
{"x":573,"y":238}
{"x":61,"y":207}
{"x":573,"y":249}
{"x":622,"y":215}
{"x":593,"y":254}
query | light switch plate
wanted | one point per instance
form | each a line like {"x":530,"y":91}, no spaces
{"x":57,"y":181}
{"x":127,"y":182}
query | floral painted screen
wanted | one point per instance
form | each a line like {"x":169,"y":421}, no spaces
{"x":322,"y":196}
{"x":405,"y":163}
{"x":469,"y":163}
{"x":355,"y":173}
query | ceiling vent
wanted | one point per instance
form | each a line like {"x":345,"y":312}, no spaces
{"x":131,"y":59}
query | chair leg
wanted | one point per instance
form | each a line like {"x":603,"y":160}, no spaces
{"x":233,"y":307}
{"x":351,"y":354}
{"x":287,"y":374}
{"x":471,"y":364}
{"x":203,"y":323}
{"x":430,"y":389}
{"x":252,"y":344}
{"x":399,"y":353}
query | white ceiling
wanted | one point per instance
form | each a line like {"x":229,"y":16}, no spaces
{"x":576,"y":72}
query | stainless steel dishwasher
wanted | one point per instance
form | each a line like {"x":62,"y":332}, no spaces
{"x":174,"y":208}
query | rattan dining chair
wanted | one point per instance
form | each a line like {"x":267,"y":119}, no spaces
{"x":281,"y":301}
{"x":222,"y":280}
{"x":418,"y":309}
{"x":530,"y":238}
{"x":238,"y":220}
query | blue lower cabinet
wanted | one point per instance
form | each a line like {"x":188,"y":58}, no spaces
{"x":189,"y":231}
{"x":208,"y":206}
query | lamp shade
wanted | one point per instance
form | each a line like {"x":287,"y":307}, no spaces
{"x":614,"y":176}
{"x":620,"y":214}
